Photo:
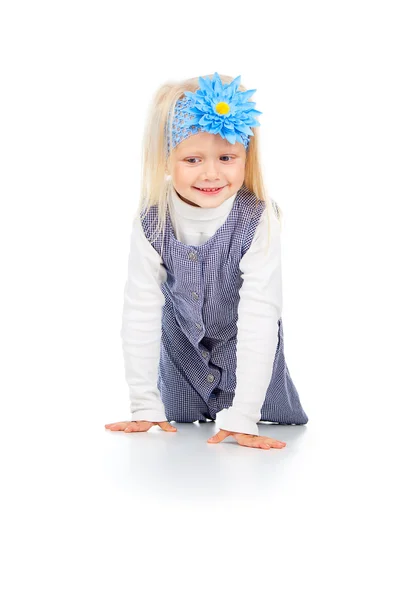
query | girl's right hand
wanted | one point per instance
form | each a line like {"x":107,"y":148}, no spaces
{"x":138,"y":426}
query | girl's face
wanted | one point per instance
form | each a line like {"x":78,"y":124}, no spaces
{"x":206,"y":160}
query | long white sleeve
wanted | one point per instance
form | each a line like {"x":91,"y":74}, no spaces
{"x":259,"y":310}
{"x":141,"y":327}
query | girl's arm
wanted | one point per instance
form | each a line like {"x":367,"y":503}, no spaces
{"x":141,"y":327}
{"x":259,"y":310}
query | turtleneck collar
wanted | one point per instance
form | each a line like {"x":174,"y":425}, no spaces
{"x":197,"y":213}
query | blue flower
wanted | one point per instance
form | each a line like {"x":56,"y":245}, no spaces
{"x":220,"y":108}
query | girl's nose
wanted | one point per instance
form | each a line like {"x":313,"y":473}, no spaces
{"x":211,"y":170}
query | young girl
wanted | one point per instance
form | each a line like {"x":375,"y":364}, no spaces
{"x":202,"y":331}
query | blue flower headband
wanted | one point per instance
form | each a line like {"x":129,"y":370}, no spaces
{"x":215,"y":108}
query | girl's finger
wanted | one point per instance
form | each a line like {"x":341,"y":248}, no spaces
{"x":258,"y":441}
{"x":274,"y":443}
{"x":166,"y":426}
{"x":117,"y":426}
{"x":131,"y":428}
{"x":252,"y":441}
{"x":258,"y":444}
{"x":138,"y":426}
{"x":219,"y":437}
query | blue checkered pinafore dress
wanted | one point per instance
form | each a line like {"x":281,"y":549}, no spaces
{"x":197,"y":368}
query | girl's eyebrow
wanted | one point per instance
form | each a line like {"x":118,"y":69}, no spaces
{"x":197,"y":152}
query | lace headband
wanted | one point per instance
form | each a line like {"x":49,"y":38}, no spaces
{"x":215,"y":108}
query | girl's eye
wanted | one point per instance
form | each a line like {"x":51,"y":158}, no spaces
{"x":224,"y":158}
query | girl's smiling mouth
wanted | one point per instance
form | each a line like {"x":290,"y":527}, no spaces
{"x":209,"y":191}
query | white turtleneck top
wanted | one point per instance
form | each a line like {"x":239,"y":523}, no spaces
{"x":259,"y":309}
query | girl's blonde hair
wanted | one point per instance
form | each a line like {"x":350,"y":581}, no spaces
{"x":155,"y":186}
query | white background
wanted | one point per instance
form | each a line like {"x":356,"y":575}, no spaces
{"x":87,"y":513}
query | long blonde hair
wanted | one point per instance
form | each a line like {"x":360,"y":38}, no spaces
{"x":155,"y":185}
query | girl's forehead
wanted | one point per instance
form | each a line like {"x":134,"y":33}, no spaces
{"x":207,"y":142}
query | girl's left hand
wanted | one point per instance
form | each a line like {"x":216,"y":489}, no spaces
{"x":246,"y":439}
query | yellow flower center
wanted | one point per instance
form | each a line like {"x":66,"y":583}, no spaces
{"x":222,"y":108}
